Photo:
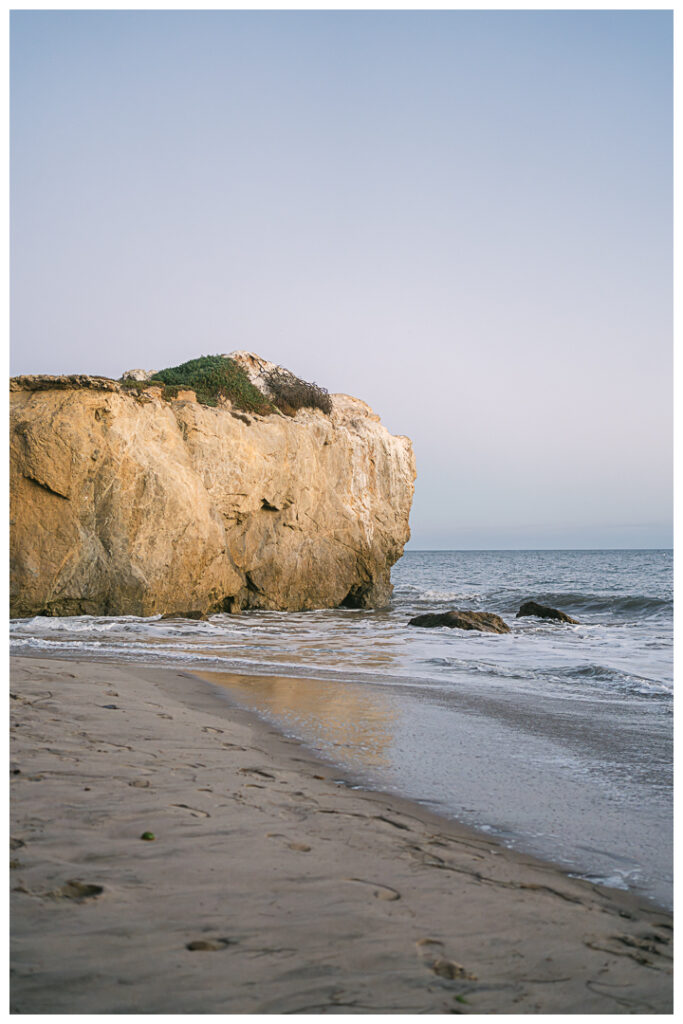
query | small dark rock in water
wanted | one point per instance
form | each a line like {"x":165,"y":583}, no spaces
{"x":485,"y":622}
{"x":200,"y":616}
{"x":541,"y":611}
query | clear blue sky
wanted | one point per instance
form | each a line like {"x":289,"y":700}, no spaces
{"x":464,"y":218}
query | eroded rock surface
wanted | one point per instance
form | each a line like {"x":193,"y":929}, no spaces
{"x":141,"y":375}
{"x":125,"y":503}
{"x":485,"y":622}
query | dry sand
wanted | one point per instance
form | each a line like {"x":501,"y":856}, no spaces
{"x":271,"y":888}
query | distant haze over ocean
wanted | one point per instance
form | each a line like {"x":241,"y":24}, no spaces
{"x":632,"y":538}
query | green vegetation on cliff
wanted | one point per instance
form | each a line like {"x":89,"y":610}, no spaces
{"x":215,"y":377}
{"x":211,"y":378}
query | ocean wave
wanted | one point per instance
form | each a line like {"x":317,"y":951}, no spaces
{"x":484,"y":668}
{"x":414,"y":595}
{"x":605,"y":674}
{"x":45,"y":624}
{"x":643,"y":604}
{"x":507,"y":601}
{"x":607,"y":677}
{"x":613,"y":680}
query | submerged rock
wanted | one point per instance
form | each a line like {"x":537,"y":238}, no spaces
{"x":485,"y":622}
{"x":542,"y":611}
{"x":127,"y":503}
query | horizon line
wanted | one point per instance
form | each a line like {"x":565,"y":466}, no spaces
{"x":540,"y":549}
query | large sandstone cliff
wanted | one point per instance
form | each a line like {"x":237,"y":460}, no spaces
{"x":127,"y":503}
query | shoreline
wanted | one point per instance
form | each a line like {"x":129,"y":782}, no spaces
{"x":405,"y":911}
{"x":230,"y":686}
{"x":270,"y":709}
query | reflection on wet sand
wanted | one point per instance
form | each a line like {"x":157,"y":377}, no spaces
{"x":336,"y":717}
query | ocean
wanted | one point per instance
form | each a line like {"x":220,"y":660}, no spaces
{"x":554,"y":738}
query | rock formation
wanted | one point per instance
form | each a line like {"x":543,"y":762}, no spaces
{"x":542,"y":611}
{"x":123,"y":502}
{"x":484,"y":622}
{"x":141,"y":375}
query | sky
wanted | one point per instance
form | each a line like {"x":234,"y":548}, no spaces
{"x":464,"y":218}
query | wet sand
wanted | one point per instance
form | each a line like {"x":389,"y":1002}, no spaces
{"x":270,"y":886}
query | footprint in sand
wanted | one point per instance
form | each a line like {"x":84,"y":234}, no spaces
{"x":393,"y":822}
{"x":207,"y":945}
{"x":209,"y":728}
{"x":431,"y":951}
{"x":300,"y":794}
{"x":140,"y":783}
{"x":379,"y":891}
{"x":256,"y":771}
{"x":299,"y":847}
{"x":75,"y":890}
{"x":71,"y":890}
{"x":640,"y":949}
{"x":196,"y":812}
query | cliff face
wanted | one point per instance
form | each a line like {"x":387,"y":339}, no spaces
{"x":131,"y":504}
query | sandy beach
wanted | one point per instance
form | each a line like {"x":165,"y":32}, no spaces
{"x":271,"y":886}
